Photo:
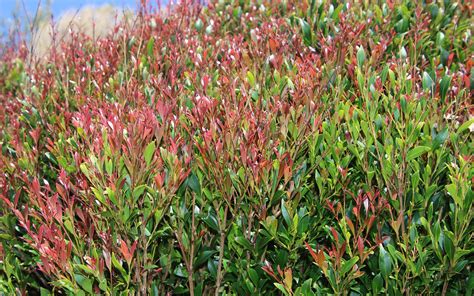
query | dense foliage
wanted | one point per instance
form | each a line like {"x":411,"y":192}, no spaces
{"x":243,"y":147}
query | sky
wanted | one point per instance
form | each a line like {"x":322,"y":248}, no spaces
{"x":7,"y":7}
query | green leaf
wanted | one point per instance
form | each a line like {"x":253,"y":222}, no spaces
{"x":68,"y":225}
{"x":209,"y":30}
{"x":118,"y":265}
{"x":103,"y":285}
{"x":111,"y":195}
{"x":312,"y":9}
{"x":440,"y":38}
{"x":470,"y":284}
{"x":440,"y":138}
{"x":84,"y":282}
{"x":253,"y":275}
{"x":185,"y":240}
{"x":66,"y":284}
{"x":461,"y":265}
{"x":84,"y":169}
{"x":149,"y":47}
{"x":109,"y":166}
{"x":151,"y":266}
{"x":285,"y":213}
{"x":465,"y":126}
{"x":385,"y":262}
{"x":402,"y":53}
{"x":306,"y":29}
{"x":211,"y":221}
{"x":154,"y":289}
{"x":347,"y":265}
{"x":212,"y":267}
{"x":98,"y":194}
{"x":44,"y":292}
{"x":281,"y":288}
{"x":360,"y":56}
{"x":449,"y":247}
{"x":237,"y":12}
{"x":337,"y":12}
{"x":249,"y":285}
{"x":444,"y":86}
{"x":305,"y":289}
{"x":453,"y":192}
{"x":294,"y":224}
{"x":193,"y":183}
{"x":203,"y":256}
{"x":427,"y":82}
{"x":138,"y":191}
{"x":149,"y":151}
{"x":251,"y":78}
{"x":377,"y":284}
{"x":416,"y":152}
{"x":243,"y":242}
{"x":199,"y":24}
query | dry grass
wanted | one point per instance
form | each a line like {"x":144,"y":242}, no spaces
{"x":94,"y":21}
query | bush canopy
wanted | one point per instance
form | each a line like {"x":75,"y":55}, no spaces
{"x":243,"y":148}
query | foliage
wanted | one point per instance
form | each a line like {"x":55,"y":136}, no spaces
{"x":243,"y":147}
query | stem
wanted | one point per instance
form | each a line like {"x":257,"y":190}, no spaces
{"x":247,"y":234}
{"x":221,"y":252}
{"x":191,"y":282}
{"x":145,"y":259}
{"x":191,"y":253}
{"x":445,"y":287}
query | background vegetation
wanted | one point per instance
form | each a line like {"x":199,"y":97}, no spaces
{"x":243,"y":147}
{"x":93,"y":21}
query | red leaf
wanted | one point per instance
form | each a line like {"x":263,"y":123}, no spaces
{"x":360,"y":246}
{"x":125,"y":252}
{"x":159,"y":180}
{"x":356,"y":212}
{"x":35,"y":186}
{"x":273,"y":44}
{"x":313,"y":254}
{"x":280,"y":272}
{"x":335,"y":235}
{"x":134,"y":247}
{"x":351,"y":225}
{"x":318,"y":258}
{"x":108,"y":259}
{"x":269,"y":270}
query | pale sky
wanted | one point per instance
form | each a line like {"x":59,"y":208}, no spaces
{"x":7,"y":7}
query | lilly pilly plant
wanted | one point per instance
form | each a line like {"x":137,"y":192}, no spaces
{"x":242,"y":147}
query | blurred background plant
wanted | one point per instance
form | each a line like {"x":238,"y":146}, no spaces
{"x":44,"y":23}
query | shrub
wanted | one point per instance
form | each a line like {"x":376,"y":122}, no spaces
{"x":243,"y":147}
